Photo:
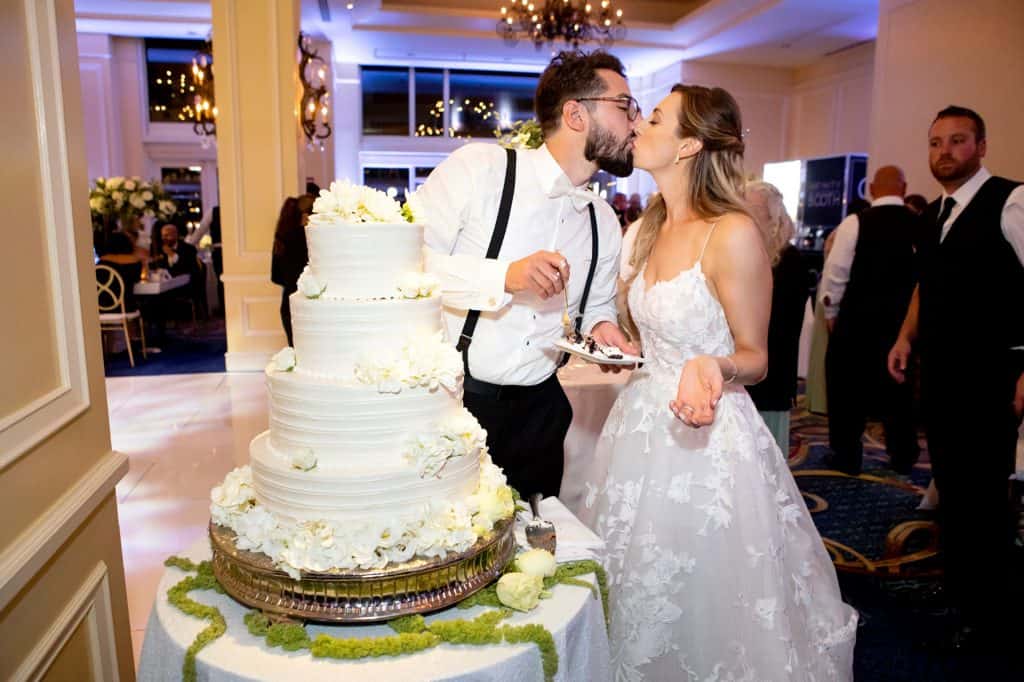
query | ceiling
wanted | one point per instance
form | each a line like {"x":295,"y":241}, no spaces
{"x":779,"y":33}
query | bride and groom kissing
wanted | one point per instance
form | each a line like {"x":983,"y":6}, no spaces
{"x":716,"y":569}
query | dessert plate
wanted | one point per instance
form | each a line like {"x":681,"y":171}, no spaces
{"x":598,"y":356}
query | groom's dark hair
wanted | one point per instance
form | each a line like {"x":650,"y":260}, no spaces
{"x":570,"y":75}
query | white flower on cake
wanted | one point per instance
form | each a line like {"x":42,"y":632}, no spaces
{"x":236,"y":490}
{"x":309,"y":285}
{"x":520,"y":591}
{"x":304,"y":459}
{"x":418,"y":285}
{"x":284,"y":359}
{"x":424,"y":361}
{"x":348,"y":203}
{"x":457,"y":436}
{"x":538,"y":562}
{"x":413,"y":209}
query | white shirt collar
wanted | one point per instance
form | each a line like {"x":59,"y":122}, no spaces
{"x":966,"y":191}
{"x":555,"y":182}
{"x":888,"y":200}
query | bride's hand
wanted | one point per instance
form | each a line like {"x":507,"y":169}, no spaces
{"x":700,"y":388}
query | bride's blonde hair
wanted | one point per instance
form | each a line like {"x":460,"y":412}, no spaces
{"x":716,"y":177}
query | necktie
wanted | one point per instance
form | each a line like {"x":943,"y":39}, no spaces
{"x":947,"y":208}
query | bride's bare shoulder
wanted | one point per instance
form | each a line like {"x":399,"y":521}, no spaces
{"x":735,"y":230}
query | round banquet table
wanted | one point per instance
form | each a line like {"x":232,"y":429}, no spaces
{"x":572,"y":615}
{"x":591,"y":393}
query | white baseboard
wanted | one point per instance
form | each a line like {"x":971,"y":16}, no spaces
{"x":246,"y":362}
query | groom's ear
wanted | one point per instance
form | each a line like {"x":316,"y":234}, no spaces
{"x":573,"y":116}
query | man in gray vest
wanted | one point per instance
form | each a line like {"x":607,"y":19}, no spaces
{"x":865,"y":289}
{"x":966,"y":324}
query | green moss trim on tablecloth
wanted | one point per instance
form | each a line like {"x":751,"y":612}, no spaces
{"x":178,"y":597}
{"x":413,"y":634}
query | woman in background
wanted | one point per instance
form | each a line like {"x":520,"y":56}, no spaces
{"x":290,"y":252}
{"x":791,"y":284}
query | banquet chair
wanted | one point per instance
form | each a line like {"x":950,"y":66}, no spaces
{"x":113,"y":317}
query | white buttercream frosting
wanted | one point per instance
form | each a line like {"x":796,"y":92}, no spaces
{"x":363,"y":261}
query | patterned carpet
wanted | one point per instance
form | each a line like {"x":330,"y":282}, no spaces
{"x":886,"y":554}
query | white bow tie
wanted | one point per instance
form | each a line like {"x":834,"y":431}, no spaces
{"x":580,"y":197}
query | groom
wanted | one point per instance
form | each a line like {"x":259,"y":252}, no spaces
{"x":506,"y":233}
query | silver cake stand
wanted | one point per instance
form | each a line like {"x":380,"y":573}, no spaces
{"x":359,"y":596}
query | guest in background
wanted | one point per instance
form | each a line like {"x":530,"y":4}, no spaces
{"x":916,"y":203}
{"x":290,"y":252}
{"x":620,"y":204}
{"x":312,"y":189}
{"x":634,"y":209}
{"x":964,"y":321}
{"x":120,"y":255}
{"x":174,"y":254}
{"x":776,"y":394}
{"x":866,"y":286}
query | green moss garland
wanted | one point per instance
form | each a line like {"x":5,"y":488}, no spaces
{"x":412,"y":633}
{"x":178,"y":597}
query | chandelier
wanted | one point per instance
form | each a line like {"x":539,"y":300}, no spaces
{"x":204,"y":111}
{"x":549,"y":21}
{"x":315,"y":112}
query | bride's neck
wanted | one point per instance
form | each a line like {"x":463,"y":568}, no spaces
{"x":674,"y":183}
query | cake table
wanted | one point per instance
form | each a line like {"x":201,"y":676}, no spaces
{"x":572,"y":615}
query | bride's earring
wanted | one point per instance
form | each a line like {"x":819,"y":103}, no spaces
{"x":679,"y":157}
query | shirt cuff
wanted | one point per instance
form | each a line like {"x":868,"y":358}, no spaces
{"x":492,"y":285}
{"x":830,"y":310}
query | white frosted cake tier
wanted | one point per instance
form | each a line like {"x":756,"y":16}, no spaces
{"x":338,"y":494}
{"x":331,"y":336}
{"x":357,"y":260}
{"x":354,"y":427}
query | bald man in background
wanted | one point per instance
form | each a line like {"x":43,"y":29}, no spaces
{"x":866,"y":285}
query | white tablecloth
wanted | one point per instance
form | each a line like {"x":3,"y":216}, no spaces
{"x":151,"y":288}
{"x":572,"y":615}
{"x":591,"y":393}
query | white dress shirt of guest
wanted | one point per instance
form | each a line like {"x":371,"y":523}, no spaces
{"x":1012,"y":221}
{"x":887,"y":188}
{"x":513,"y":341}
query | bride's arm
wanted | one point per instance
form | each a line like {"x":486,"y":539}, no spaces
{"x":742,"y":277}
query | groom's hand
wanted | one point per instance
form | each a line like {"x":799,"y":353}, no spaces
{"x":544,"y":273}
{"x":608,"y":334}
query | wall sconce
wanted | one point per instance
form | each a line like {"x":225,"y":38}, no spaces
{"x":314,"y":113}
{"x":204,"y":113}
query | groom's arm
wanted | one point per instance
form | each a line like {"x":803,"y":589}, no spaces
{"x":468,"y":281}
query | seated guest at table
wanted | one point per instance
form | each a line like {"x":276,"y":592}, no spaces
{"x":120,"y":255}
{"x":174,"y":254}
{"x":774,"y":397}
{"x":290,"y":252}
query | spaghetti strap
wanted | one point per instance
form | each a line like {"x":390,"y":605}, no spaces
{"x":707,"y":239}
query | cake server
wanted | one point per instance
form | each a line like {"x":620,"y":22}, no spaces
{"x":539,"y":533}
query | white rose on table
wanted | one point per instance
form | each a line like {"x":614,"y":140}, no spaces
{"x":137,"y":201}
{"x":309,"y":285}
{"x":129,"y":185}
{"x":539,"y":562}
{"x":520,"y":591}
{"x":97,"y":204}
{"x":147,"y":195}
{"x":115,"y":182}
{"x":284,"y":359}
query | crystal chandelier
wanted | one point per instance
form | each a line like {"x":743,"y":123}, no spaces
{"x":549,"y":21}
{"x":203,"y":111}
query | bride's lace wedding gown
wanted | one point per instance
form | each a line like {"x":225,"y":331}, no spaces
{"x":717,"y":571}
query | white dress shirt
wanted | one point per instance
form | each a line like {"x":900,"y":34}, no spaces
{"x":512,"y":344}
{"x":1012,"y":221}
{"x":836,"y":274}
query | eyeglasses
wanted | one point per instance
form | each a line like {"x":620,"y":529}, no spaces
{"x":632,"y":106}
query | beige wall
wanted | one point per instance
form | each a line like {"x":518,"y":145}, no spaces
{"x":60,"y":558}
{"x":932,"y":53}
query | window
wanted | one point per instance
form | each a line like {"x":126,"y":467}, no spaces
{"x":429,"y":103}
{"x":393,"y":181}
{"x":169,"y":78}
{"x":385,"y":100}
{"x":185,"y":190}
{"x":446,"y":103}
{"x":484,"y":101}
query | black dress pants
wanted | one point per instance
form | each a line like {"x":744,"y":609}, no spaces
{"x":858,"y":386}
{"x":972,"y":440}
{"x":526,"y":434}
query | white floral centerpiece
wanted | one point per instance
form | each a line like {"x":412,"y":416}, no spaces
{"x":123,"y":199}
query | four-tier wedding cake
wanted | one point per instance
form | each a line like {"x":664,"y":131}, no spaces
{"x":370,"y":459}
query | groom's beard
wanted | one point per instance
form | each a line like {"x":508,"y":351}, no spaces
{"x":608,"y":153}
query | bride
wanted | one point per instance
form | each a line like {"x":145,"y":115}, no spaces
{"x":718,"y":572}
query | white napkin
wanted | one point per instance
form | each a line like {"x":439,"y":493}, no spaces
{"x":574,"y":541}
